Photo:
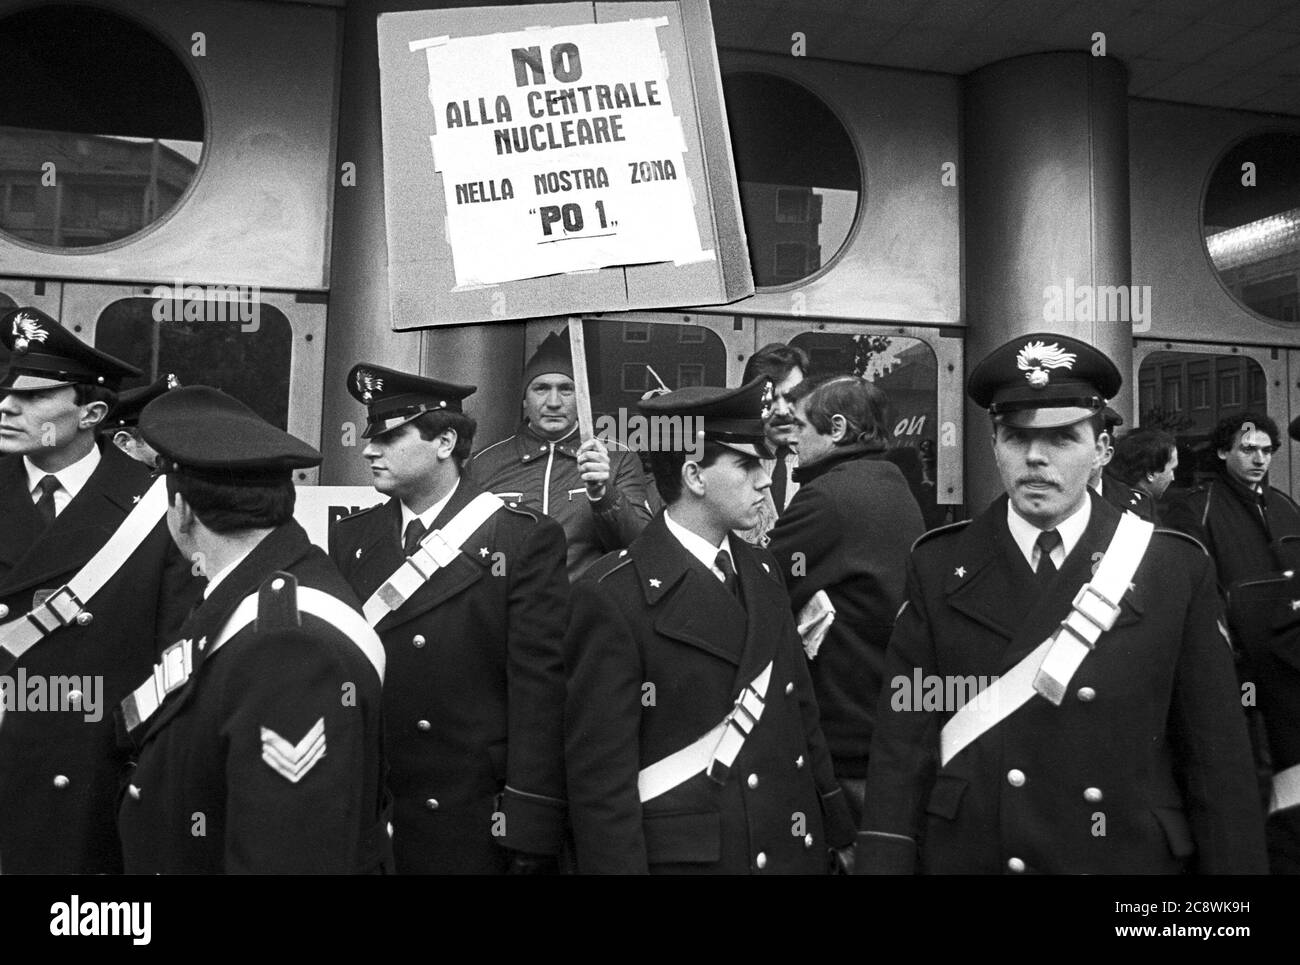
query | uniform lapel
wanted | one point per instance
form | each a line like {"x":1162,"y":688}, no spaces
{"x":689,"y":604}
{"x":84,"y":526}
{"x":22,"y":524}
{"x":464,"y":571}
{"x":981,"y":583}
{"x":767,"y":609}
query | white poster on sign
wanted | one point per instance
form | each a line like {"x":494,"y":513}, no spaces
{"x":317,"y":507}
{"x":559,"y":151}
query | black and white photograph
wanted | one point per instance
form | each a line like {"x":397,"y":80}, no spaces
{"x":835,"y":438}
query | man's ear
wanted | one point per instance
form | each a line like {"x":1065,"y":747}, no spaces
{"x":1223,"y":454}
{"x":92,"y":414}
{"x":446,"y":443}
{"x":123,"y":440}
{"x":839,"y":428}
{"x":185,"y":518}
{"x":692,"y":477}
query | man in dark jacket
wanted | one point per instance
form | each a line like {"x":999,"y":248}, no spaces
{"x":61,"y":499}
{"x":597,"y":493}
{"x":259,"y":731}
{"x":847,"y":533}
{"x":689,"y":632}
{"x":1116,"y":745}
{"x":470,"y":598}
{"x":1239,"y":517}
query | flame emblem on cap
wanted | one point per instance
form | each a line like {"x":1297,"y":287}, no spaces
{"x":1036,"y":358}
{"x":769,"y":396}
{"x":27,"y":330}
{"x":368,"y":384}
{"x":172,"y":381}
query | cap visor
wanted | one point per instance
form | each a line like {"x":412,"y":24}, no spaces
{"x":378,"y":427}
{"x":758,"y":450}
{"x":33,"y":383}
{"x":1044,"y":418}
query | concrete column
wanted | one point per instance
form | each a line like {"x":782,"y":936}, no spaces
{"x":1046,"y":213}
{"x":360,"y":321}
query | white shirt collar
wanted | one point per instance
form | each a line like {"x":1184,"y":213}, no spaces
{"x":698,"y":546}
{"x":429,"y":515}
{"x":1026,"y":533}
{"x":71,"y":478}
{"x":224,"y":572}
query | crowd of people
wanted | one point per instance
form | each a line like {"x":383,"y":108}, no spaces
{"x":746,"y":656}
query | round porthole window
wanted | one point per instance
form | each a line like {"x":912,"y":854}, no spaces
{"x":101,"y":127}
{"x":1251,"y":224}
{"x":800,"y":180}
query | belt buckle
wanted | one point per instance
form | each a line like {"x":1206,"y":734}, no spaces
{"x":63,"y":605}
{"x":174,"y":668}
{"x":1112,"y":610}
{"x":436,"y":545}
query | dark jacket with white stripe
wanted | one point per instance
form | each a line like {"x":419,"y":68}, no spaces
{"x":204,"y":798}
{"x":1144,"y":769}
{"x":659,"y":650}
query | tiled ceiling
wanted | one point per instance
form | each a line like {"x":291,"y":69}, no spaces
{"x":1242,"y":54}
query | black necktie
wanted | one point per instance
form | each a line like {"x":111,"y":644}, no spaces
{"x":414,"y":533}
{"x":45,"y":505}
{"x":1047,"y":541}
{"x":780,"y":476}
{"x":723,"y":562}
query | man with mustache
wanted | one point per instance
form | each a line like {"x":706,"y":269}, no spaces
{"x":785,"y":366}
{"x":1059,"y":698}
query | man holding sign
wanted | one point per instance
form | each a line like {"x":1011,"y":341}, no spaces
{"x":598,"y":496}
{"x":1107,"y":734}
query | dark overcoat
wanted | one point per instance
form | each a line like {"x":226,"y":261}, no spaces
{"x":659,"y":651}
{"x":60,"y":769}
{"x":474,"y":693}
{"x":268,"y":759}
{"x":1144,"y":769}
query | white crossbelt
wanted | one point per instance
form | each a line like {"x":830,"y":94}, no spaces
{"x":716,"y":751}
{"x":68,"y":603}
{"x":1286,"y":789}
{"x":177,"y":663}
{"x":437,"y":549}
{"x":1050,"y":667}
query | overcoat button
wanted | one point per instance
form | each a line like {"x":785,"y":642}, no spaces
{"x":789,"y":688}
{"x":4,"y":611}
{"x":418,"y":639}
{"x":1016,"y":777}
{"x":133,"y":791}
{"x":1016,"y":865}
{"x":760,"y":861}
{"x":61,"y":781}
{"x":1092,"y":795}
{"x":807,"y":840}
{"x":1086,"y":694}
{"x":424,"y":725}
{"x":752,"y":781}
{"x":432,"y":804}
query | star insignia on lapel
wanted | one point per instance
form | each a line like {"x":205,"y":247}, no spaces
{"x":1295,"y":605}
{"x":483,"y":551}
{"x":959,"y":572}
{"x":293,"y":761}
{"x":358,"y":554}
{"x":766,"y":568}
{"x":203,"y":642}
{"x":135,"y":499}
{"x":655,"y":584}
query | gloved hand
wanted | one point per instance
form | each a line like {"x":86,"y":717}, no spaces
{"x":523,"y":863}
